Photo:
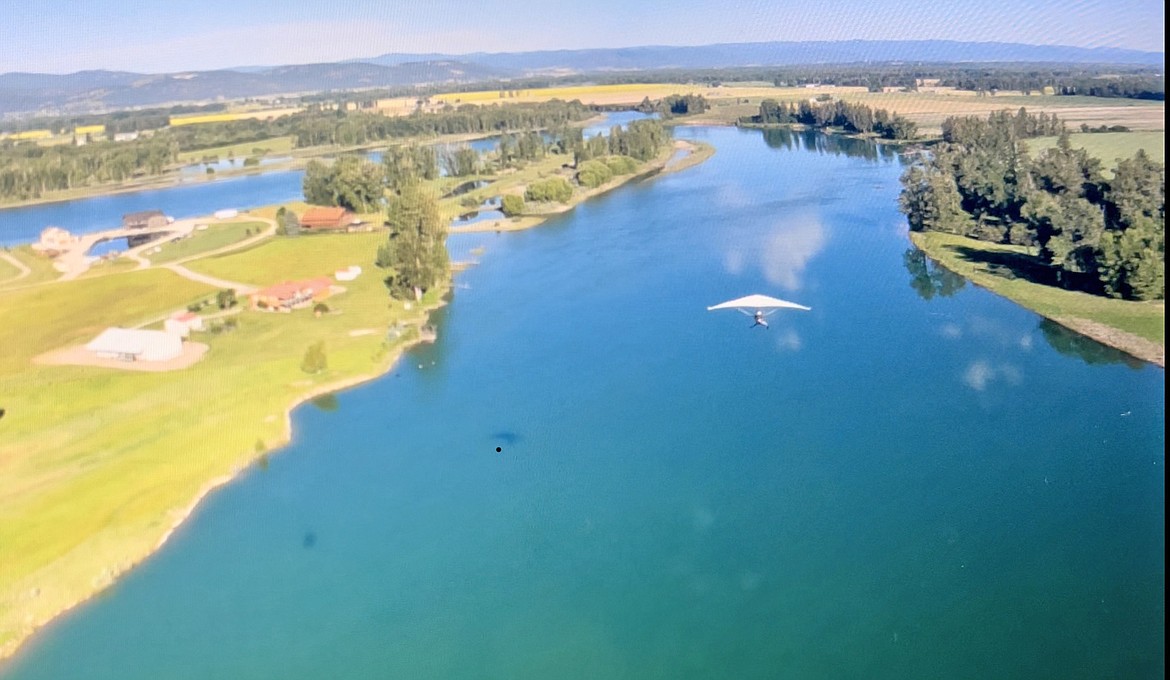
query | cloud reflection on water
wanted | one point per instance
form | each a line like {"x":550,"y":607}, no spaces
{"x":783,"y":253}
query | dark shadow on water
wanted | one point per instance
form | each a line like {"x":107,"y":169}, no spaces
{"x":1070,"y":343}
{"x":309,"y":540}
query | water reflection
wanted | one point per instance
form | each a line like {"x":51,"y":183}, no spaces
{"x":928,"y":278}
{"x":783,"y":253}
{"x":1070,"y":343}
{"x":837,"y":145}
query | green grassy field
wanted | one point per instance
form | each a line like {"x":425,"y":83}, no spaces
{"x":241,"y":151}
{"x":214,"y":237}
{"x":7,"y":271}
{"x":103,"y":267}
{"x":91,"y":475}
{"x":42,"y":268}
{"x":1144,"y":319}
{"x":1109,"y":146}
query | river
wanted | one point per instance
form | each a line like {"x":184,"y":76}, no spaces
{"x":916,"y":479}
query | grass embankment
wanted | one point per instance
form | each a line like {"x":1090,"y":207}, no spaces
{"x":98,"y":465}
{"x":214,"y":237}
{"x":1137,"y":328}
{"x":1110,"y":146}
{"x":241,"y":151}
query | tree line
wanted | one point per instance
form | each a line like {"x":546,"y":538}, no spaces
{"x":851,"y":117}
{"x":29,"y":170}
{"x":1091,"y":232}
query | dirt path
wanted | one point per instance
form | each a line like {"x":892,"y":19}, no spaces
{"x":240,"y":288}
{"x":23,"y":270}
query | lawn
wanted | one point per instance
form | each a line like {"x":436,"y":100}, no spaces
{"x":264,"y":147}
{"x":1109,"y":146}
{"x":42,"y":268}
{"x":97,"y":464}
{"x":214,"y":237}
{"x":1144,"y":319}
{"x":7,"y":271}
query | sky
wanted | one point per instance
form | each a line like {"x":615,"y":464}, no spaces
{"x":153,"y":36}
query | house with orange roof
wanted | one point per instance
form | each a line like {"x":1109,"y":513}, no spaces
{"x":290,"y":295}
{"x":318,"y":219}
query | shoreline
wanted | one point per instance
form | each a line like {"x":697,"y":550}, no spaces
{"x":1122,"y":340}
{"x":696,"y":153}
{"x":110,"y":575}
{"x":179,"y":516}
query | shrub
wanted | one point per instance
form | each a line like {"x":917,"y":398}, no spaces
{"x":251,"y":162}
{"x":621,"y":165}
{"x":512,"y":205}
{"x":593,"y":174}
{"x":469,"y":202}
{"x":320,"y":308}
{"x":551,"y":189}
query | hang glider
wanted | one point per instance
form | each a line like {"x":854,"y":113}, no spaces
{"x":758,"y":307}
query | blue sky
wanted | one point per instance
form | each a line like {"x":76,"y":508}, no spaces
{"x":173,"y":35}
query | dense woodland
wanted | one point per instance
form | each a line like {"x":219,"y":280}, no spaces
{"x":857,"y":118}
{"x":1089,"y":231}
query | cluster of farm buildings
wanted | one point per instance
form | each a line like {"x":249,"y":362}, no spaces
{"x":143,"y":345}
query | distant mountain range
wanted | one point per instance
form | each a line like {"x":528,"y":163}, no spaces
{"x":102,"y":90}
{"x":88,"y":91}
{"x":786,"y":53}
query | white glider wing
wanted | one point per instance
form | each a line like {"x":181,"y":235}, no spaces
{"x":757,"y":303}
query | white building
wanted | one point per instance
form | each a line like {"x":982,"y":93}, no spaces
{"x":127,"y":344}
{"x":348,"y":274}
{"x":226,"y":214}
{"x":182,"y":323}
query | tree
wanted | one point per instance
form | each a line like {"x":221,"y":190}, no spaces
{"x":350,"y":182}
{"x":415,"y":253}
{"x":931,"y":201}
{"x":512,"y":205}
{"x":226,"y":298}
{"x":289,"y":223}
{"x":315,"y":360}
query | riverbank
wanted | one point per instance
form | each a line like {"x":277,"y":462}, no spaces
{"x":82,"y":504}
{"x":1136,"y":328}
{"x":80,"y":494}
{"x":680,"y":155}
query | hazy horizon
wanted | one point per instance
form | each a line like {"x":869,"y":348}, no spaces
{"x":188,"y":35}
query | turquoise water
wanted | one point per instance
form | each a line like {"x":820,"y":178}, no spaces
{"x":884,"y":487}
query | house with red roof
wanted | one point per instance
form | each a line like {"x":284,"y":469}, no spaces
{"x":290,"y":295}
{"x":317,"y":219}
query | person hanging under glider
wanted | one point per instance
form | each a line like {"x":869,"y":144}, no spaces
{"x":762,"y":305}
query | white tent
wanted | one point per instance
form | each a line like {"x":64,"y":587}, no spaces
{"x":128,"y":344}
